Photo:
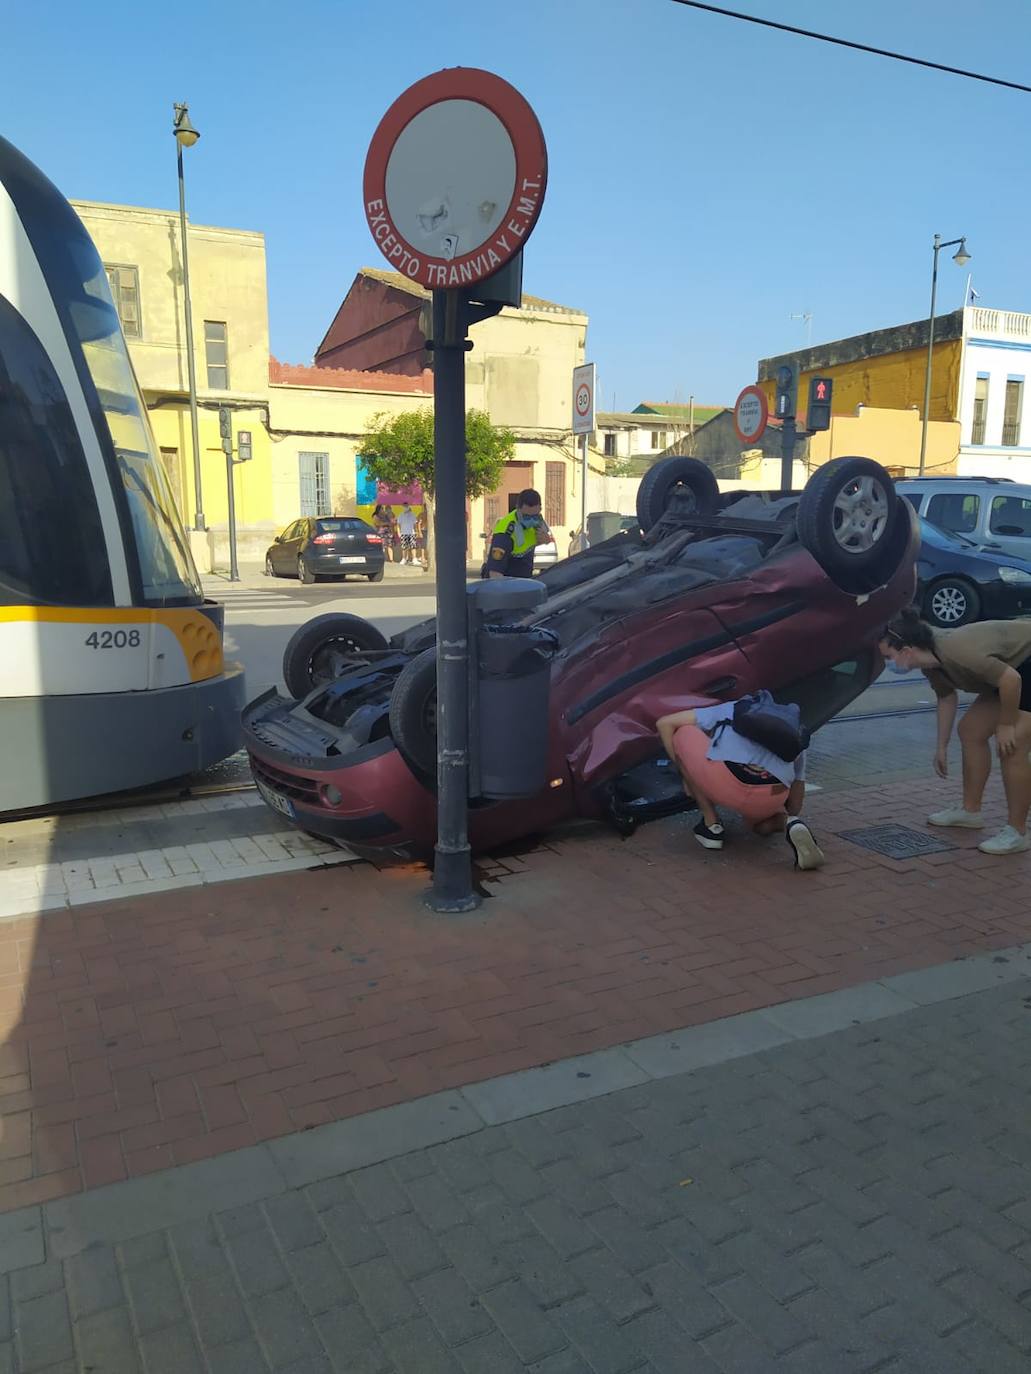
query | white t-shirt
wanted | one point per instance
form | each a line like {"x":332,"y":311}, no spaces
{"x":406,"y":522}
{"x":730,"y":747}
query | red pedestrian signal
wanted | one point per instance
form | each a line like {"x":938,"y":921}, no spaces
{"x":818,"y":414}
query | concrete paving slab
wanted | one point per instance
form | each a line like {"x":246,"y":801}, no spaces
{"x":530,"y":1091}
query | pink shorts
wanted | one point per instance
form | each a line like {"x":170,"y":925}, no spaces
{"x":754,"y":801}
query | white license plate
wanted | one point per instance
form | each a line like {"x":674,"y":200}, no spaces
{"x":277,"y":802}
{"x":352,"y":560}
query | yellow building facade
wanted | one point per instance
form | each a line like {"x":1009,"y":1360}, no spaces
{"x":305,"y":423}
{"x":878,"y":399}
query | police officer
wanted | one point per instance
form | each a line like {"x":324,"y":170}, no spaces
{"x":516,"y":536}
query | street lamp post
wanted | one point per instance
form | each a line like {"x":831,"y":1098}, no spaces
{"x":961,"y":257}
{"x":185,"y":137}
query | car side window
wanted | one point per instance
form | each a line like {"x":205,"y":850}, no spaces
{"x":914,"y":499}
{"x":954,"y":510}
{"x":1010,"y":515}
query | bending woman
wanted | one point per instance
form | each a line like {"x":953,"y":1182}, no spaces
{"x":993,"y":659}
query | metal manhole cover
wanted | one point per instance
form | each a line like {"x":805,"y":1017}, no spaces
{"x":896,"y":841}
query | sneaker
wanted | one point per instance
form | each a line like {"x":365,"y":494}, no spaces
{"x":1008,"y":841}
{"x":808,"y":853}
{"x":709,"y":836}
{"x":967,"y":820}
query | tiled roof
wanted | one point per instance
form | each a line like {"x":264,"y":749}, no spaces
{"x":402,"y":283}
{"x":347,"y":379}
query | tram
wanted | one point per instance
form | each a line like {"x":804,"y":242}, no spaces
{"x":111,"y":659}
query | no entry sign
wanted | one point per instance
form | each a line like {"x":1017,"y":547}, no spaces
{"x":751,"y":413}
{"x":455,"y":178}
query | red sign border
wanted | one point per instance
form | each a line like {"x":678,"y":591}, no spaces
{"x":531,"y":158}
{"x":764,"y":406}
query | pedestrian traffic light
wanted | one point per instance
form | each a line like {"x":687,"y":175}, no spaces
{"x":243,"y":445}
{"x":225,"y":428}
{"x":787,"y":392}
{"x":818,"y":413}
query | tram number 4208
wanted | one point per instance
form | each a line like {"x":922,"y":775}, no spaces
{"x":114,"y":639}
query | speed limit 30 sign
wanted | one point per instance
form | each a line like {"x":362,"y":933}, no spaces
{"x":583,"y":399}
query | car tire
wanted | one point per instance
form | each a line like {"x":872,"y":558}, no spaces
{"x":324,"y":648}
{"x":376,"y":576}
{"x":270,"y":567}
{"x":668,"y":476}
{"x":848,"y":519}
{"x":413,"y":716}
{"x":951,"y":602}
{"x":304,"y":573}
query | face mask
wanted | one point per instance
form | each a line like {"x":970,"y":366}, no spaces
{"x":531,"y":521}
{"x":897,"y":668}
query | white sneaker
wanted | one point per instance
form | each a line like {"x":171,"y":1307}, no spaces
{"x":967,"y":820}
{"x":1008,"y":841}
{"x":808,"y":853}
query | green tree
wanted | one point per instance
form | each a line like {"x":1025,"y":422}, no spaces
{"x":397,"y":450}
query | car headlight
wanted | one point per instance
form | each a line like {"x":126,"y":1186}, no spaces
{"x":1015,"y":575}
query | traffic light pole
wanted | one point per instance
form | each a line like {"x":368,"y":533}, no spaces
{"x":234,"y":567}
{"x":787,"y":453}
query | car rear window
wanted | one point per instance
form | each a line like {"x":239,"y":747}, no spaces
{"x":344,"y":526}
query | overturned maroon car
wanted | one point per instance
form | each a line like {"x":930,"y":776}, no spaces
{"x":713,"y":596}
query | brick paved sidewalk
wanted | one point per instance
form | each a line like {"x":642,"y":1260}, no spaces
{"x":848,"y":1204}
{"x":145,"y":1034}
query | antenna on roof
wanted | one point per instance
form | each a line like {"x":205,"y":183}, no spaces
{"x":807,"y":316}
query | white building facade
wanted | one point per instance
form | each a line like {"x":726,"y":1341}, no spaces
{"x":995,"y":395}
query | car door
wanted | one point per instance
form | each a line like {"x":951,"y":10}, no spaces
{"x":1009,"y":524}
{"x":288,"y":550}
{"x":278,"y":550}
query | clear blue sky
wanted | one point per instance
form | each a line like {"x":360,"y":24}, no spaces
{"x":707,"y":178}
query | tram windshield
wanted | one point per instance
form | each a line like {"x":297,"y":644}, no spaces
{"x":167,"y":568}
{"x":81,"y":295}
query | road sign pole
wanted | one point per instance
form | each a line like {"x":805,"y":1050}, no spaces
{"x":452,"y":888}
{"x":583,"y":492}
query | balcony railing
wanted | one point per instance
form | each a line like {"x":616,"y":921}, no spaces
{"x":1000,"y":324}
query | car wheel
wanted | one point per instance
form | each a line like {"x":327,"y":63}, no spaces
{"x":376,"y":576}
{"x":847,"y":519}
{"x":270,"y":568}
{"x":413,"y":716}
{"x":325,"y":648}
{"x":679,"y":480}
{"x":304,"y":573}
{"x":951,"y":602}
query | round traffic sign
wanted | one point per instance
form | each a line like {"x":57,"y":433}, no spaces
{"x":455,"y":178}
{"x":751,"y":412}
{"x":583,"y":399}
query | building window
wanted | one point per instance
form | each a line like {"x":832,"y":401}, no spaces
{"x":980,"y":408}
{"x":172,"y":460}
{"x":555,"y":494}
{"x":610,"y":445}
{"x":655,"y":438}
{"x":216,"y":353}
{"x":315,"y":484}
{"x":1011,"y":411}
{"x":125,"y":292}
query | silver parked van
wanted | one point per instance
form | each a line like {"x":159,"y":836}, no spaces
{"x":992,"y":511}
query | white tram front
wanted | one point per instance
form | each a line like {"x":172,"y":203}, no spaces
{"x":111,"y":666}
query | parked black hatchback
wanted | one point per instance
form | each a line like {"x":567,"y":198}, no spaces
{"x":330,"y":546}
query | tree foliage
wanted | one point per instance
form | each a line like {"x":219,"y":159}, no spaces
{"x":397,"y":450}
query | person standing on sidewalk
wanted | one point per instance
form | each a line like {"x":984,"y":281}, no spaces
{"x":383,"y":520}
{"x":406,"y":523}
{"x":992,"y":659}
{"x":515,"y":538}
{"x":719,"y":766}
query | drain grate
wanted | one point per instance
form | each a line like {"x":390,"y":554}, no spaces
{"x":896,"y":841}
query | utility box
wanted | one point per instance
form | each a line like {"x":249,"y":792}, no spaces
{"x":509,"y":689}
